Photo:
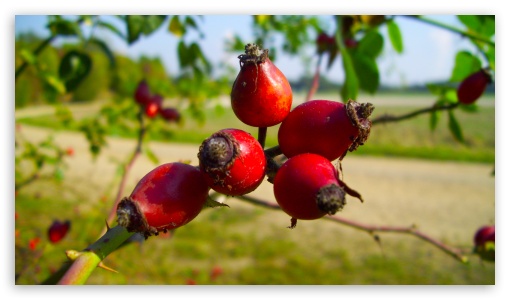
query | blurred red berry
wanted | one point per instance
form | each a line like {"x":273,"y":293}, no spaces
{"x":32,"y":244}
{"x":142,"y":93}
{"x":58,"y":230}
{"x":70,"y":151}
{"x":485,"y":234}
{"x":15,"y":215}
{"x":153,"y":107}
{"x":190,"y":281}
{"x":324,"y":42}
{"x":472,"y":87}
{"x":215,"y":272}
{"x":170,"y":114}
{"x":350,"y":43}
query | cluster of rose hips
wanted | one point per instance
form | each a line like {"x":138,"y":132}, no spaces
{"x":232,"y":162}
{"x":152,"y":103}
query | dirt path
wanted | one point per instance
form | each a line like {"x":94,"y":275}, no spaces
{"x":447,"y":199}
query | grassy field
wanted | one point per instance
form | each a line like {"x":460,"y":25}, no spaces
{"x":221,"y":239}
{"x":410,"y":138}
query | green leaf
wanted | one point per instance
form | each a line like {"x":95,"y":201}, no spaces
{"x":74,"y":67}
{"x":351,"y":84}
{"x":111,"y":28}
{"x":28,"y":56}
{"x":395,"y":36}
{"x":213,"y":203}
{"x":367,"y":72}
{"x":152,"y":23}
{"x":106,"y":50}
{"x":484,"y":25}
{"x":64,"y":27}
{"x":371,"y":44}
{"x":55,"y":83}
{"x":59,"y":174}
{"x":491,"y":57}
{"x":435,"y":89}
{"x":134,"y":27}
{"x":450,"y":95}
{"x":454,"y":127}
{"x":183,"y":54}
{"x":465,"y":65}
{"x":470,"y":108}
{"x":64,"y":114}
{"x":153,"y":158}
{"x":176,"y":27}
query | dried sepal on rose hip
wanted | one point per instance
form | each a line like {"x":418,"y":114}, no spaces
{"x":325,"y":127}
{"x":169,"y":196}
{"x":261,"y":95}
{"x":307,"y":187}
{"x":232,"y":162}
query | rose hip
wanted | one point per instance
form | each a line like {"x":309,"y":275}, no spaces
{"x":261,"y":95}
{"x":167,"y":197}
{"x":325,"y":127}
{"x":232,"y":162}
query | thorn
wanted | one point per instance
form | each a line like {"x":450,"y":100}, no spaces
{"x":72,"y":254}
{"x":107,"y":226}
{"x":103,"y":266}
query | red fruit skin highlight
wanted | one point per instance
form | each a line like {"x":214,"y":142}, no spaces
{"x":261,"y":95}
{"x":168,"y":197}
{"x":299,"y":180}
{"x":318,"y":126}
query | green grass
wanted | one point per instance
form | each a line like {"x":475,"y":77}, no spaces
{"x":248,"y":243}
{"x":410,"y":138}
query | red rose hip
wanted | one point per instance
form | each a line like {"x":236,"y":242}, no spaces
{"x":471,"y":88}
{"x":153,"y":106}
{"x":232,"y":162}
{"x":485,"y":242}
{"x":307,"y":187}
{"x":142,"y":93}
{"x":261,"y":95}
{"x":167,"y":197}
{"x":325,"y":127}
{"x":58,"y":230}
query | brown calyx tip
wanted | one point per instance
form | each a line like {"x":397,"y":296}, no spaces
{"x":130,"y":217}
{"x":331,"y":198}
{"x":359,"y":114}
{"x":218,"y":152}
{"x":253,"y":54}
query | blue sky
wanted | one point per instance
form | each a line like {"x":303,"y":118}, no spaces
{"x":428,"y":51}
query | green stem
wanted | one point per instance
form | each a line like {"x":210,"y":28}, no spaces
{"x":453,"y":29}
{"x":39,"y":49}
{"x":89,"y":259}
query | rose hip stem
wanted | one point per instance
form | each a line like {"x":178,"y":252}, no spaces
{"x":127,"y":168}
{"x":262,"y":136}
